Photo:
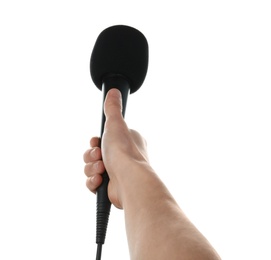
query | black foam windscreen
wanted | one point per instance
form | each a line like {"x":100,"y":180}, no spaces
{"x":120,"y":50}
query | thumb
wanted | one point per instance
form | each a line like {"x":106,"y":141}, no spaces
{"x":113,"y":104}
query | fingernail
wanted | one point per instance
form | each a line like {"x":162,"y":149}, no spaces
{"x":93,"y":179}
{"x":116,"y":93}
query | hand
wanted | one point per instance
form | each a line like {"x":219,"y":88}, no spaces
{"x":156,"y":226}
{"x":121,"y":149}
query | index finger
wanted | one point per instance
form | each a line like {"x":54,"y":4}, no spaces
{"x":95,"y":142}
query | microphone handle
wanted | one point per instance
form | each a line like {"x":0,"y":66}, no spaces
{"x":103,"y":202}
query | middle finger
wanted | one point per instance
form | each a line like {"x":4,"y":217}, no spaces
{"x":92,"y":155}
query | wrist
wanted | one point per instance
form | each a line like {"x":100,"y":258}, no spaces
{"x":140,"y":186}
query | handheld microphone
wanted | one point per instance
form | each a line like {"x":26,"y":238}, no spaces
{"x":119,"y":60}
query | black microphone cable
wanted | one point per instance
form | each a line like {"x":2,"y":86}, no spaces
{"x":99,"y":252}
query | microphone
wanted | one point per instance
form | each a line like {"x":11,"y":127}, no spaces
{"x":119,"y":60}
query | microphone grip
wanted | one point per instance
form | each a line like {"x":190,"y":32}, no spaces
{"x":103,"y":202}
{"x":103,"y":210}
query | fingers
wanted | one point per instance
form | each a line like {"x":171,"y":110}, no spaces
{"x":94,"y":182}
{"x":92,"y":155}
{"x":94,"y":165}
{"x":95,"y":142}
{"x":94,"y":170}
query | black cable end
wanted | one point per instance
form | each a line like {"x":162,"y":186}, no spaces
{"x":99,"y":252}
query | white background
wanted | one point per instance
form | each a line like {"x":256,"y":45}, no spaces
{"x":204,"y":109}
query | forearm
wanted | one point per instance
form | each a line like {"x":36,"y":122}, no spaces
{"x":156,"y":227}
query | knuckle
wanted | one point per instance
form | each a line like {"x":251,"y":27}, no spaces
{"x":87,"y":169}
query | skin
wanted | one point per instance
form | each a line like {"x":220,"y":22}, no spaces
{"x":156,"y":226}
